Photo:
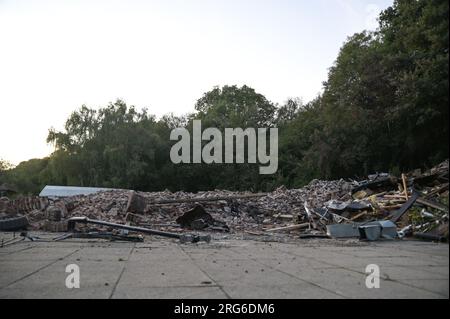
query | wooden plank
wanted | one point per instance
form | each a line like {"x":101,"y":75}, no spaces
{"x":358,"y":216}
{"x":405,"y":187}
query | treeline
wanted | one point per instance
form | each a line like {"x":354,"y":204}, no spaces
{"x":384,"y":107}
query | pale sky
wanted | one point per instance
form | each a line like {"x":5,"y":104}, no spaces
{"x":161,"y":54}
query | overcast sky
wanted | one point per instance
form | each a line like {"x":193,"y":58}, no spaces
{"x":162,"y":54}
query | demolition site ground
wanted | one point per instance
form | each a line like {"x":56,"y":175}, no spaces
{"x":224,"y":268}
{"x":329,"y":239}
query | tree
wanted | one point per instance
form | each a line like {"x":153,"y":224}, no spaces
{"x":5,"y":165}
{"x":233,"y":107}
{"x":415,"y":45}
{"x":384,"y":105}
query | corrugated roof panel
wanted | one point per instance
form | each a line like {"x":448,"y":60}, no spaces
{"x":65,"y":191}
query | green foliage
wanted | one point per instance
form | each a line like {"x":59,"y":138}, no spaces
{"x":27,"y":176}
{"x":384,"y":108}
{"x":4,"y":166}
{"x":385,"y":103}
{"x":231,"y":106}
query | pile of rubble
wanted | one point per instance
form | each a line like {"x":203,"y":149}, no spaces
{"x":414,"y":204}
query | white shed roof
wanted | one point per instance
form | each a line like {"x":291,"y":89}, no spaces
{"x":65,"y":191}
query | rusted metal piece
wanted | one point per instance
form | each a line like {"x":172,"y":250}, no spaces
{"x":101,"y":235}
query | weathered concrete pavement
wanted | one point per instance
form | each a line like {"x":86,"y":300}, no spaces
{"x":160,"y":268}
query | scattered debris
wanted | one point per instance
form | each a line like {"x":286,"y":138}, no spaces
{"x":183,"y":237}
{"x":289,"y":228}
{"x":403,"y":209}
{"x":383,"y":206}
{"x":198,"y":219}
{"x":54,"y":226}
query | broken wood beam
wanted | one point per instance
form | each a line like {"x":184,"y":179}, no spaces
{"x":441,"y":189}
{"x":432,"y":204}
{"x":358,"y":216}
{"x":402,"y":197}
{"x":405,"y":187}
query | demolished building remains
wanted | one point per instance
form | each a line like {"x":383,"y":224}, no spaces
{"x":381,"y":207}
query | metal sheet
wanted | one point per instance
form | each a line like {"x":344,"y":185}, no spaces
{"x":386,"y":229}
{"x":370,"y":232}
{"x":343,"y":230}
{"x":65,"y":191}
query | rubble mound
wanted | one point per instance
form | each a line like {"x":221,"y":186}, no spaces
{"x":416,"y":202}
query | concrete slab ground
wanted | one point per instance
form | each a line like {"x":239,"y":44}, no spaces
{"x":224,"y":268}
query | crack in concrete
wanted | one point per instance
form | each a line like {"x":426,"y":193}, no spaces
{"x":298,"y":278}
{"x":365,"y":274}
{"x":205,"y":273}
{"x":123,"y":270}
